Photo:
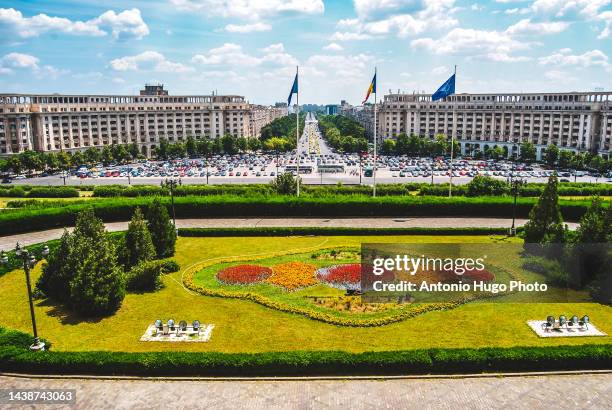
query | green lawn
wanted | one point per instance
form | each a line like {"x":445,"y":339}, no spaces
{"x":244,"y":326}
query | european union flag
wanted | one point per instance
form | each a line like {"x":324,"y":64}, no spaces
{"x":294,"y":89}
{"x":445,"y":89}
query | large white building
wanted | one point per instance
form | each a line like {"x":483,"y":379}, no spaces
{"x":579,"y":121}
{"x":76,"y":122}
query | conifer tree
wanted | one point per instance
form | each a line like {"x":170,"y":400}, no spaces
{"x":162,"y":230}
{"x":138,"y":245}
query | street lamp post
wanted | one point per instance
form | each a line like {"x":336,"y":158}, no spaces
{"x":29,"y":260}
{"x":172,"y":183}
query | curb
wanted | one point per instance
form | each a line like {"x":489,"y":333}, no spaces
{"x":305,"y":378}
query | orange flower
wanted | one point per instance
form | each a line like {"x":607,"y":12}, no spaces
{"x":293,"y":275}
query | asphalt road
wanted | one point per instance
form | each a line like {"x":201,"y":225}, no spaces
{"x":383,"y":177}
{"x":8,"y":242}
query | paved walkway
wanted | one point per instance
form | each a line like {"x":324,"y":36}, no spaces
{"x":534,"y":392}
{"x":8,"y":242}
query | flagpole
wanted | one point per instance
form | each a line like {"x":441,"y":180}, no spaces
{"x":450,"y":185}
{"x":375,"y":139}
{"x":297,"y":130}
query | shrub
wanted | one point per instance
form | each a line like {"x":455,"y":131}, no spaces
{"x":53,"y":192}
{"x":14,"y":357}
{"x":285,"y":184}
{"x":169,"y":266}
{"x":482,"y":185}
{"x":144,"y":277}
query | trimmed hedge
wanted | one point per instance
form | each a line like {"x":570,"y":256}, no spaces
{"x":338,"y":231}
{"x":24,"y":220}
{"x":40,"y":192}
{"x":423,"y":189}
{"x":15,"y":357}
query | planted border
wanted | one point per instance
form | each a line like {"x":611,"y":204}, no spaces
{"x":338,"y":231}
{"x":16,"y":357}
{"x":121,"y":209}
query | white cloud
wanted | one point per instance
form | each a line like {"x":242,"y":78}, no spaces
{"x":591,"y":58}
{"x":527,"y":27}
{"x":347,"y":36}
{"x":148,"y":60}
{"x":516,"y":10}
{"x":477,"y":7}
{"x":333,"y":47}
{"x":559,"y":76}
{"x":491,"y":45}
{"x":248,"y":28}
{"x":230,"y":54}
{"x":250,"y":10}
{"x":606,"y":17}
{"x":440,"y":70}
{"x":346,"y":68}
{"x":588,"y":10}
{"x":19,"y":61}
{"x":403,"y":18}
{"x":127,"y":23}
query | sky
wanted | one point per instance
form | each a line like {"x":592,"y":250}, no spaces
{"x":252,"y":47}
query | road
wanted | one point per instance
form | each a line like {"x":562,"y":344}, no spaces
{"x":8,"y":242}
{"x":588,"y":391}
{"x":382,"y":177}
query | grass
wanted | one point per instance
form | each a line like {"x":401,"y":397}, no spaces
{"x":82,"y":195}
{"x":244,"y":326}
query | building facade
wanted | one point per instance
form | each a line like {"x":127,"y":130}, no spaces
{"x":575,"y":121}
{"x":76,"y":122}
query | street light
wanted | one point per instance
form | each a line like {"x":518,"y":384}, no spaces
{"x":28,"y":260}
{"x":515,"y":185}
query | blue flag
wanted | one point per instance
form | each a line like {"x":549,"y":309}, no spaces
{"x":445,"y":89}
{"x":294,"y":89}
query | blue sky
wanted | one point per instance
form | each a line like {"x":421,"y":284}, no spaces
{"x":251,"y":47}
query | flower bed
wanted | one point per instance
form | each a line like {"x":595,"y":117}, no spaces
{"x":243,"y":274}
{"x":347,"y":276}
{"x":293,"y":275}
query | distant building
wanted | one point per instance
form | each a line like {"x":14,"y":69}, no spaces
{"x":579,"y":121}
{"x":54,"y":122}
{"x":331,"y":109}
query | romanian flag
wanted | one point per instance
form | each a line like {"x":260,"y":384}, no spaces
{"x":371,"y":89}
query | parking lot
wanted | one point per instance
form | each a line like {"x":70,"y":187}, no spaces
{"x":314,"y":169}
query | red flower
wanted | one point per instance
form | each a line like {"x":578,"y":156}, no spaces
{"x":243,"y":274}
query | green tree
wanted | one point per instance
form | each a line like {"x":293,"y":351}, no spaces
{"x":191,"y":147}
{"x":31,"y":161}
{"x":97,"y":284}
{"x":254,"y":144}
{"x":242,"y":144}
{"x":229,"y":144}
{"x":552,"y":155}
{"x":161,"y":228}
{"x":54,"y":281}
{"x":138,"y":245}
{"x":204,"y":147}
{"x":134,"y":150}
{"x":77,"y":159}
{"x":14,"y":163}
{"x":107,"y":155}
{"x":388,"y":146}
{"x":565,"y":158}
{"x":528,"y":152}
{"x":162,"y":150}
{"x":545,"y":223}
{"x":285,"y":184}
{"x":92,"y":155}
{"x":64,"y":160}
